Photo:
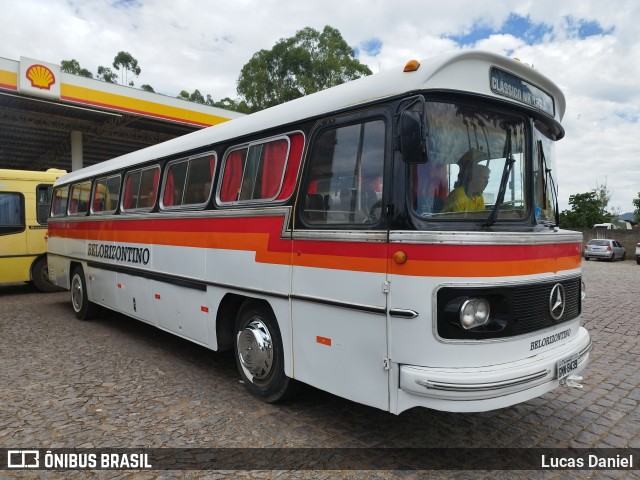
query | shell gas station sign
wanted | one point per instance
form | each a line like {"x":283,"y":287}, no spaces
{"x":34,"y":78}
{"x":39,"y":78}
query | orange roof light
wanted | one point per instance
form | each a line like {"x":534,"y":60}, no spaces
{"x":411,"y":66}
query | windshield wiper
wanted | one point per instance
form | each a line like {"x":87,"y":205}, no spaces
{"x":508,"y":164}
{"x":548,"y":179}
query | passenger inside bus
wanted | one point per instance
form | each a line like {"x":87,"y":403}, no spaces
{"x":467,"y":197}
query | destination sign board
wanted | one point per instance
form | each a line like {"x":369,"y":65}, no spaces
{"x":511,"y":86}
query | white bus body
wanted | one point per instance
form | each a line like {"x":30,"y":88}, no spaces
{"x":299,"y":237}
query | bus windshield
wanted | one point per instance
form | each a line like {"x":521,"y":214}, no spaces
{"x":476,"y":158}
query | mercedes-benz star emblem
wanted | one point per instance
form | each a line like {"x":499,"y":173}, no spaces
{"x":556,"y":301}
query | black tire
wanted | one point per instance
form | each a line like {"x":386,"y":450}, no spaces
{"x":83,"y":308}
{"x":624,"y":256}
{"x":259,"y":353}
{"x":40,"y":276}
{"x":586,"y":259}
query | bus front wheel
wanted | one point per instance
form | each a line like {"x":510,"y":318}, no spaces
{"x":259,"y":353}
{"x":83,"y":308}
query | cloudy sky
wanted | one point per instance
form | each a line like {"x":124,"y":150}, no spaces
{"x":590,"y":48}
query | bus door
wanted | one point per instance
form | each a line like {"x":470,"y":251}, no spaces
{"x":339,"y":262}
{"x":36,"y":213}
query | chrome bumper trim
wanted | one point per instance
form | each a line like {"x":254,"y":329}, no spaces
{"x":482,"y":387}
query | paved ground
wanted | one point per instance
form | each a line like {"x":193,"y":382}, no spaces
{"x":114,"y":382}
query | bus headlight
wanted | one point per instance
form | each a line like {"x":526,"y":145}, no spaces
{"x":474,"y":312}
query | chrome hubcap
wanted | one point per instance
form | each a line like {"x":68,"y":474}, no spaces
{"x":255,"y":349}
{"x":76,"y":293}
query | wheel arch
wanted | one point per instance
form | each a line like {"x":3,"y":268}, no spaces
{"x":230,"y":307}
{"x":225,"y":319}
{"x":73,"y":264}
{"x":33,"y":263}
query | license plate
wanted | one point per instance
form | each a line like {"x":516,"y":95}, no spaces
{"x":567,"y":365}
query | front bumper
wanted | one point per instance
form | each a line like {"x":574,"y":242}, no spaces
{"x":489,"y":387}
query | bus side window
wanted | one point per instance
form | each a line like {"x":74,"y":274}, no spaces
{"x":188,"y":182}
{"x":11,"y":214}
{"x":269,"y":169}
{"x":233,"y":168}
{"x":148,"y":187}
{"x":260,"y":172}
{"x":174,"y":184}
{"x":106,"y":192}
{"x":345,"y":185}
{"x":292,"y":165}
{"x":198,"y":182}
{"x":79,"y":194}
{"x":59,"y":202}
{"x":43,"y":203}
{"x":141,"y":188}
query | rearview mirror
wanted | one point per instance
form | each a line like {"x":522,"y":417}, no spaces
{"x":413,"y":143}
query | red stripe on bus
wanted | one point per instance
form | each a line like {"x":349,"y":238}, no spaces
{"x":262,"y":236}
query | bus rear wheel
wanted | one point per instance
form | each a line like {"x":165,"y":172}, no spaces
{"x":259,"y":353}
{"x":83,"y":308}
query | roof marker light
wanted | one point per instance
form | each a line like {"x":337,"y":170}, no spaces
{"x":411,"y":66}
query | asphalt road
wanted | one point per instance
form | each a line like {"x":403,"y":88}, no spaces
{"x":116,"y":382}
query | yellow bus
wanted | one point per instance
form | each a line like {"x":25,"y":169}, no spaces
{"x":25,"y":197}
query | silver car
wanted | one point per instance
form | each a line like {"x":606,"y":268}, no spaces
{"x":604,"y":248}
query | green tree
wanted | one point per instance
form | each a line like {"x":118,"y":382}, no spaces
{"x":230,"y":104}
{"x":128,"y":64}
{"x":147,"y":88}
{"x":107,"y":75}
{"x":586,"y":210}
{"x":226,"y":103}
{"x":603,"y":194}
{"x":72,"y":66}
{"x":306,"y":63}
{"x":195,"y":97}
{"x":636,"y":212}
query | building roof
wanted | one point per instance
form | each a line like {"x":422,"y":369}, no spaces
{"x":40,"y":107}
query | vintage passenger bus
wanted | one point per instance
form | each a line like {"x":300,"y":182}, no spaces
{"x":24,"y":209}
{"x":393,"y":240}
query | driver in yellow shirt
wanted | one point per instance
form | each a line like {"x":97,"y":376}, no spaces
{"x":468,"y":197}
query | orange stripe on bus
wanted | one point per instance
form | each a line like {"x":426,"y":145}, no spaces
{"x":269,"y":248}
{"x":484,"y":269}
